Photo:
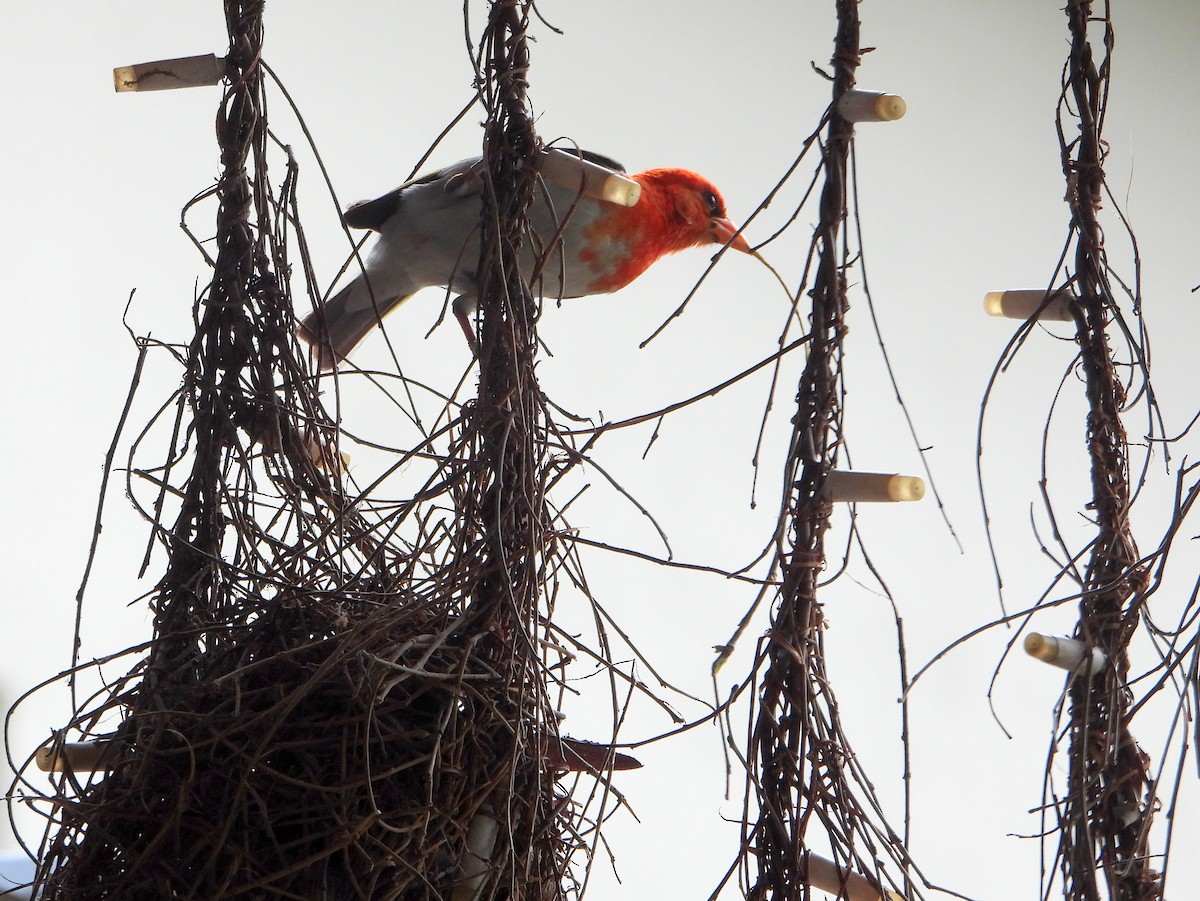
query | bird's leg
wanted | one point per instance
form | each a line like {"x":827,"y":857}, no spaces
{"x":464,"y":309}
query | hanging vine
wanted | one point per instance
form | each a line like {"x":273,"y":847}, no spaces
{"x":1106,"y":813}
{"x":810,"y":796}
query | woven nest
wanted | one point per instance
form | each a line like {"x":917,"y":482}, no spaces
{"x":292,"y":769}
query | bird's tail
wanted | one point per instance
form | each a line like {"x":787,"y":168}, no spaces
{"x":336,"y":327}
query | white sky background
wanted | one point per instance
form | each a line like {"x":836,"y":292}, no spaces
{"x":961,"y":197}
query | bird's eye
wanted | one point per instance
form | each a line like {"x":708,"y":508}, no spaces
{"x":713,"y":202}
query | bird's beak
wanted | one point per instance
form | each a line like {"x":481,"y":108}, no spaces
{"x":725,"y":232}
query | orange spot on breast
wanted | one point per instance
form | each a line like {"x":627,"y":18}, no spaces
{"x":616,"y":251}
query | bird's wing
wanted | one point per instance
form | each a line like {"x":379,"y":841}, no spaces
{"x":462,"y":179}
{"x":373,"y":213}
{"x":600,"y":160}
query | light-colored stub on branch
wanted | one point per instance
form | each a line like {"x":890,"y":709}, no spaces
{"x":842,"y":882}
{"x":591,"y":179}
{"x":477,"y":856}
{"x":78,"y":757}
{"x":167,"y":74}
{"x":1023,"y":304}
{"x":325,"y":456}
{"x":871,"y":106}
{"x":1065,"y":653}
{"x":873,"y":486}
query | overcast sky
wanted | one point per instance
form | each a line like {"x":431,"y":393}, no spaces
{"x":961,"y":197}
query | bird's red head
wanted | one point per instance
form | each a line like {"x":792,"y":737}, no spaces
{"x":692,"y":207}
{"x":678,"y":209}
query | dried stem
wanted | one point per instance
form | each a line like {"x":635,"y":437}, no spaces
{"x":1105,"y":817}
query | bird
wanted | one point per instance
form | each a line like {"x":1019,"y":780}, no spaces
{"x":586,"y":240}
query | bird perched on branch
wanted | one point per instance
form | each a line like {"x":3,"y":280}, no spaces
{"x":594,"y":231}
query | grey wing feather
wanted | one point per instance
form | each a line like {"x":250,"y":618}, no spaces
{"x":460,"y":180}
{"x":373,"y":213}
{"x":601,"y":160}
